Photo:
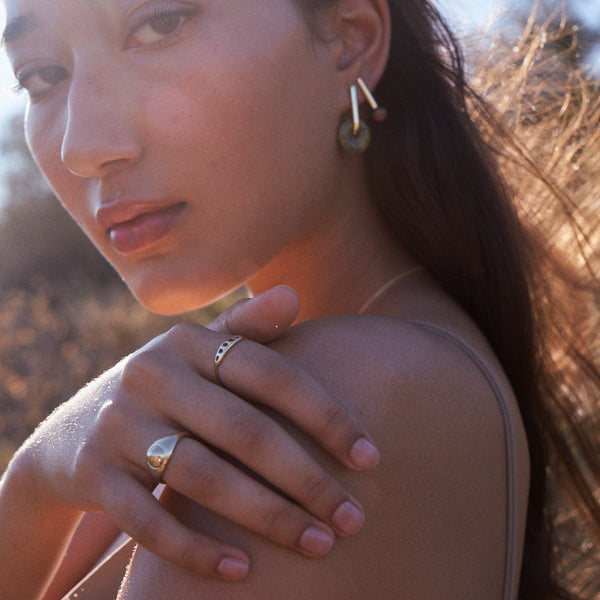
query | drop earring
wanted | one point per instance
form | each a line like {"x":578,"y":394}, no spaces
{"x":354,"y":135}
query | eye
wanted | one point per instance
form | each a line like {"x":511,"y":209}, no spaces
{"x":161,"y":25}
{"x":38,"y":82}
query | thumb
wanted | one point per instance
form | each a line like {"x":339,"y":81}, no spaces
{"x":262,"y":318}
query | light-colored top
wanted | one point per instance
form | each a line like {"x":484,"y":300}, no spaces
{"x":513,"y":555}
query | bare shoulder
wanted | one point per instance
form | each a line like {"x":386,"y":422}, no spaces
{"x":440,"y":385}
{"x":440,"y":410}
{"x":395,"y":361}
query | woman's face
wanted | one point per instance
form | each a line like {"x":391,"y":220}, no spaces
{"x":192,"y":140}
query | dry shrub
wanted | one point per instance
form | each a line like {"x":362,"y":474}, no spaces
{"x":54,"y":338}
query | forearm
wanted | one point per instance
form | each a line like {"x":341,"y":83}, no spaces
{"x":35,"y":529}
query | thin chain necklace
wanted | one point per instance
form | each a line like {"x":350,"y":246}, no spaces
{"x":386,"y":286}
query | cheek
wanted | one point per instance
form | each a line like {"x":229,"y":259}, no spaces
{"x":172,"y":112}
{"x":192,"y":131}
{"x":184,"y":115}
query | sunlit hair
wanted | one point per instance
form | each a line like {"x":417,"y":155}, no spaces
{"x":551,"y":162}
{"x":489,"y":184}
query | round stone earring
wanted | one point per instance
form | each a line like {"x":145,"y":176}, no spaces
{"x":354,"y":135}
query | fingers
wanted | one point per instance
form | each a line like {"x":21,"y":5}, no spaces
{"x":259,"y":374}
{"x":204,"y":477}
{"x":141,"y":516}
{"x":262,"y":318}
{"x":305,"y":505}
{"x":266,"y":448}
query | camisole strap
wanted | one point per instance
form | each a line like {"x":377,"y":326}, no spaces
{"x":511,"y":570}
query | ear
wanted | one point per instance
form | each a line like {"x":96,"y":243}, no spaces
{"x":363,"y":31}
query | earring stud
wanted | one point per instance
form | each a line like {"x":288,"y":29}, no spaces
{"x":354,"y":134}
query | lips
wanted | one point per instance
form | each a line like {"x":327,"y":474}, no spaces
{"x":134,"y":226}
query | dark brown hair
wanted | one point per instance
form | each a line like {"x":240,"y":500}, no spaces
{"x":435,"y":174}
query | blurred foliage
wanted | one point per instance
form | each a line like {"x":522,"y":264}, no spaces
{"x":55,"y":337}
{"x":65,"y":316}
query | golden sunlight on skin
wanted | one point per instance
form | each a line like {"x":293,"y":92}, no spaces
{"x":196,"y":144}
{"x":176,"y":130}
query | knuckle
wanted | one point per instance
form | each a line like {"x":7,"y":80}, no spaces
{"x":146,"y":369}
{"x":186,"y":554}
{"x":314,"y":488}
{"x":278,"y":521}
{"x":143,"y":528}
{"x":251,"y":430}
{"x":335,"y":421}
{"x":285,"y":376}
{"x":136,"y":370}
{"x":205,"y":475}
{"x":110,"y":418}
{"x":183,"y":333}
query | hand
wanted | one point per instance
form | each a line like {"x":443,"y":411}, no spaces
{"x":91,"y":451}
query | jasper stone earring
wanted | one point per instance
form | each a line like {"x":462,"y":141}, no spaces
{"x":354,"y":135}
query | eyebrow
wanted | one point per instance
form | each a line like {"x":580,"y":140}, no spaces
{"x":18,"y":27}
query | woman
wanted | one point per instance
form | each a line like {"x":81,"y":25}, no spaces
{"x":206,"y":144}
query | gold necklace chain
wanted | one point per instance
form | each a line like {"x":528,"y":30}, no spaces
{"x":386,"y":286}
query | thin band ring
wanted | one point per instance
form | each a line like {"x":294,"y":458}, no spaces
{"x":159,"y":453}
{"x":222,"y":350}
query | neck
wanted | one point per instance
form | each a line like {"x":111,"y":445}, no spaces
{"x":340,"y":264}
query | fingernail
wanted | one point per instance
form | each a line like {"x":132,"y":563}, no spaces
{"x":316,"y":541}
{"x":348,"y":519}
{"x":233,"y":568}
{"x":363,"y":454}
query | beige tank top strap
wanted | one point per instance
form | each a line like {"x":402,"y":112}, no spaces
{"x":512,"y":568}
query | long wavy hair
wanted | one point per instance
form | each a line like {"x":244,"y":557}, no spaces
{"x":456,"y":178}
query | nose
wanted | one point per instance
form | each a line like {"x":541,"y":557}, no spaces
{"x":100,"y":136}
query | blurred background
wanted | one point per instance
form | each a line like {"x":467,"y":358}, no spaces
{"x":65,"y":316}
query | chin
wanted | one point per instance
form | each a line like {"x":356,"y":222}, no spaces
{"x":167,"y":304}
{"x":171,"y":300}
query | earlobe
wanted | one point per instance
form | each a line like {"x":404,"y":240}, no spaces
{"x":364,"y":29}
